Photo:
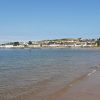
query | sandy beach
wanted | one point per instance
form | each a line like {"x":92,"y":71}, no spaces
{"x":83,"y":88}
{"x":86,"y":88}
{"x":55,"y":74}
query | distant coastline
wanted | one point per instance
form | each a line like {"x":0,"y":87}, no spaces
{"x":56,"y":43}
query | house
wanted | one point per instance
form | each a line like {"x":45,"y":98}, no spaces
{"x":6,"y":46}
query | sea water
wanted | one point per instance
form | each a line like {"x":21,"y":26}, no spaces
{"x":22,"y":70}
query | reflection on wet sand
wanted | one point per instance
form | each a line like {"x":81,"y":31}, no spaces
{"x":44,"y":94}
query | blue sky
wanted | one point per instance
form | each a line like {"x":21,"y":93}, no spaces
{"x":48,"y":19}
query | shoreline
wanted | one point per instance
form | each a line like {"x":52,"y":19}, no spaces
{"x":58,"y":86}
{"x":85,"y":90}
{"x":84,"y":87}
{"x":50,"y":48}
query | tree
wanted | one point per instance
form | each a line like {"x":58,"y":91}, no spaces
{"x":30,"y":42}
{"x":98,"y":42}
{"x":15,"y":43}
{"x":80,"y":39}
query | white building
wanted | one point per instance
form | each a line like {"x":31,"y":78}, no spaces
{"x":6,"y":46}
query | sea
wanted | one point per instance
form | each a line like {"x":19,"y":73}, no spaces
{"x":29,"y":74}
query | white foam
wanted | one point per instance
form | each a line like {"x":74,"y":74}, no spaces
{"x":93,"y":71}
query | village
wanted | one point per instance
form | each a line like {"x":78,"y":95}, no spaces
{"x":55,"y":43}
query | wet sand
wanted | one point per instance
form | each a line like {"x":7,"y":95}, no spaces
{"x":84,"y":87}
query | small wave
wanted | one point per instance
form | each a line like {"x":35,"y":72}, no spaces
{"x":62,"y":91}
{"x":36,"y":89}
{"x":96,"y":67}
{"x":93,"y":71}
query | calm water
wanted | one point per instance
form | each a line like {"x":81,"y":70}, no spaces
{"x":22,"y":69}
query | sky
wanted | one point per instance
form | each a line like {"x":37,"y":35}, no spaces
{"x":24,"y":20}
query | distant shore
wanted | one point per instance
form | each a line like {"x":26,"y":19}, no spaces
{"x":55,"y":43}
{"x":48,"y":47}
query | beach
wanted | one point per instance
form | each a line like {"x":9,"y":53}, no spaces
{"x":87,"y":89}
{"x":49,"y":50}
{"x":49,"y":74}
{"x":84,"y":87}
